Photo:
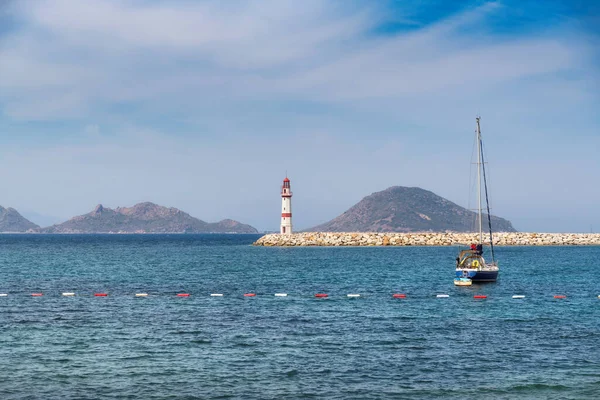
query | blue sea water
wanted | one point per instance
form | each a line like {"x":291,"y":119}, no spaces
{"x":295,"y":347}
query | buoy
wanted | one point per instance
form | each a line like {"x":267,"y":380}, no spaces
{"x":141,"y":295}
{"x":37,"y":294}
{"x":280,"y":294}
{"x":183,"y":295}
{"x":439,"y":296}
{"x":399,"y":296}
{"x":68,"y":294}
{"x":6,"y":294}
{"x":353,"y":295}
{"x":321,"y":295}
{"x":518,"y":296}
{"x":100,"y":294}
{"x":480,"y":296}
{"x":249,"y":294}
{"x":216,"y":294}
{"x":560,"y":296}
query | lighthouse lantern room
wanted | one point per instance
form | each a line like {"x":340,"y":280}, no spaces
{"x":286,"y":207}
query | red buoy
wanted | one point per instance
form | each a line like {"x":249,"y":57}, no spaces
{"x":560,"y":296}
{"x":183,"y":295}
{"x":480,"y":296}
{"x":37,"y":294}
{"x":100,"y":294}
{"x":321,"y":295}
{"x":249,"y":294}
{"x":399,"y":296}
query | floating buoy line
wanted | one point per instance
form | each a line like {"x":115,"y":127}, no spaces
{"x":253,"y":294}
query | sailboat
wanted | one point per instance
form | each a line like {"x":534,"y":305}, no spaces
{"x":470,"y":263}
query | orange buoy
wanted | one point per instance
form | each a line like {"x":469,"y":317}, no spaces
{"x":480,"y":296}
{"x":100,"y":294}
{"x":183,"y":295}
{"x":249,"y":294}
{"x":37,"y":294}
{"x":399,"y":296}
{"x":560,"y":296}
{"x":321,"y":295}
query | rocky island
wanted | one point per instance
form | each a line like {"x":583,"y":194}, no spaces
{"x":144,"y":218}
{"x":13,"y":222}
{"x":408,"y":209}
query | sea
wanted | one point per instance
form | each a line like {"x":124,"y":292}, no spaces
{"x":297,"y":347}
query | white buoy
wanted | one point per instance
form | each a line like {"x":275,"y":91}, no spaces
{"x":518,"y":296}
{"x":6,"y":294}
{"x":216,"y":294}
{"x":280,"y":294}
{"x":68,"y":294}
{"x":141,"y":295}
{"x":442,"y":296}
{"x":353,"y":295}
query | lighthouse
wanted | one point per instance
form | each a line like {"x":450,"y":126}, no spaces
{"x":286,"y":207}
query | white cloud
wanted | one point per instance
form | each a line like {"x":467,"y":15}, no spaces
{"x":73,"y":58}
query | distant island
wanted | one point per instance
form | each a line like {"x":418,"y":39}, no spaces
{"x":141,"y":218}
{"x":408,"y":209}
{"x":12,"y":221}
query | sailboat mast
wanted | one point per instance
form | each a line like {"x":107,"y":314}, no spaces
{"x":479,"y":181}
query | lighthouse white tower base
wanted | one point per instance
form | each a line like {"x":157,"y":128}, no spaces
{"x":286,"y":208}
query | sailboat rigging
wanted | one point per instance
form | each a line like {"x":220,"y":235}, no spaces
{"x":470,"y":264}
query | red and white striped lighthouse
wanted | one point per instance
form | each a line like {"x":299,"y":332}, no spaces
{"x":286,"y":207}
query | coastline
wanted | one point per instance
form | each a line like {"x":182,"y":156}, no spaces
{"x":425,"y":239}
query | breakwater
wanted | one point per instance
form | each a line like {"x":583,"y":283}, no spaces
{"x":427,"y":239}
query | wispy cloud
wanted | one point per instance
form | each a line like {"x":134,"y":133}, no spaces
{"x":72,"y":57}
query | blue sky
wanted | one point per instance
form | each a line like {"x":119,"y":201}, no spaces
{"x":204,"y":106}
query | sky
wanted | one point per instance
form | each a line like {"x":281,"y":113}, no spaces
{"x":207,"y":105}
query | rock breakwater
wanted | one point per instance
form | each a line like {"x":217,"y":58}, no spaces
{"x":427,"y":239}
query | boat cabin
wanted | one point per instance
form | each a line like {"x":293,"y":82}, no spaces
{"x":471,"y":258}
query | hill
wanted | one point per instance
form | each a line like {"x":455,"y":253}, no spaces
{"x":144,"y":218}
{"x":12,"y":221}
{"x":408,"y":209}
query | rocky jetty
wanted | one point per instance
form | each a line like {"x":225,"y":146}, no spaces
{"x":427,"y":239}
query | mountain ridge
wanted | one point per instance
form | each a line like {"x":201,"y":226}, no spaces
{"x":145,"y":217}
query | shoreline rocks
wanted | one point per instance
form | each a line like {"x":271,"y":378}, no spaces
{"x":426,"y":239}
